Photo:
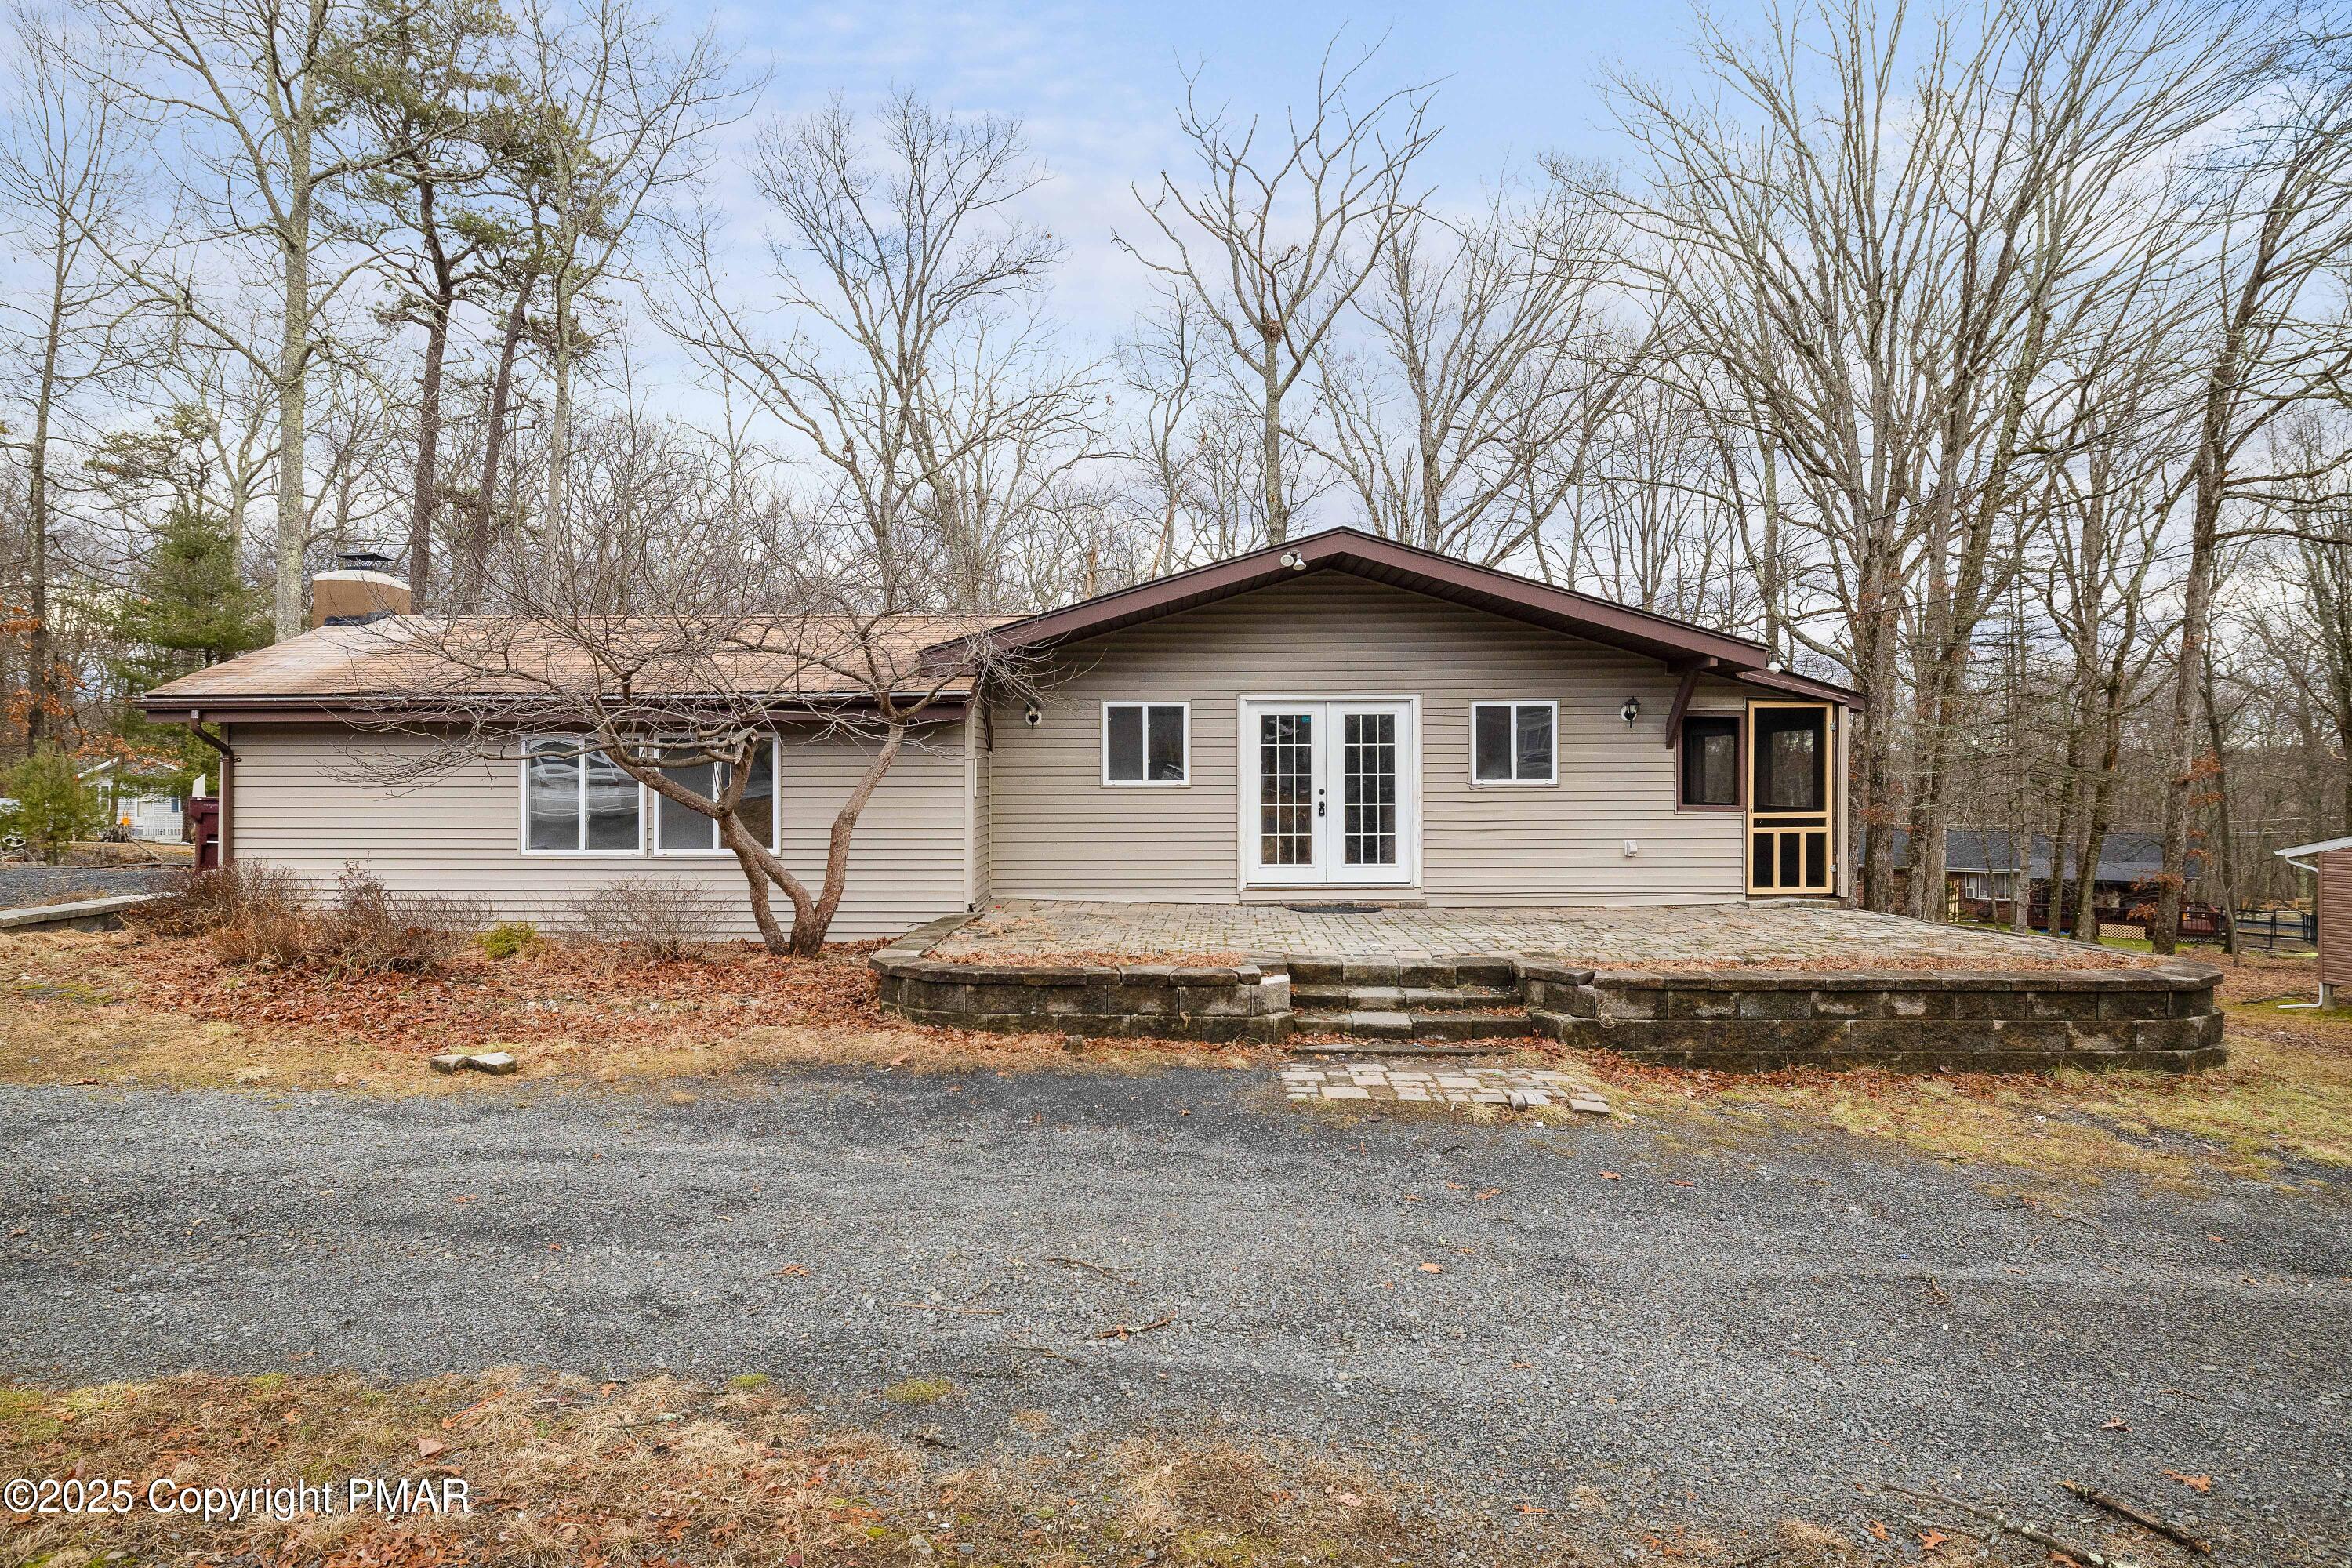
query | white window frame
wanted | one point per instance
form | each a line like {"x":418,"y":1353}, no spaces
{"x":1512,"y":705}
{"x":581,"y":752}
{"x":1184,"y":712}
{"x":652,"y":833}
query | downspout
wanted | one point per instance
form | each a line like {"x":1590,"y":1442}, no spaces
{"x":227,"y":777}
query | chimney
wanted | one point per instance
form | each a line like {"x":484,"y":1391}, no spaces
{"x":358,"y":590}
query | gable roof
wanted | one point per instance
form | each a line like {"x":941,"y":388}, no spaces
{"x":1680,"y":645}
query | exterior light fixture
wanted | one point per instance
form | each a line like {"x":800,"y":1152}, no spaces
{"x":1296,"y":562}
{"x":1031,"y":716}
{"x":1632,"y":710}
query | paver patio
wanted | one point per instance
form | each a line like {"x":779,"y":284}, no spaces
{"x":1663,"y":936}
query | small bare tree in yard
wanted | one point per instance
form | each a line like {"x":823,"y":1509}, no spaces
{"x":665,"y":644}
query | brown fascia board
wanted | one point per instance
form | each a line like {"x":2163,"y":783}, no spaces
{"x":260,"y":709}
{"x":1662,"y":638}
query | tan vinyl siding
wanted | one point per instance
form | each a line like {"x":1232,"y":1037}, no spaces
{"x":1058,"y":832}
{"x":308,"y":799}
{"x":976,"y":749}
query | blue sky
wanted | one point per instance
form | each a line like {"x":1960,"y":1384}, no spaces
{"x":1096,"y":85}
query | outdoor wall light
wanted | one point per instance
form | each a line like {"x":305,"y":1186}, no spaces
{"x":1292,"y":559}
{"x":1632,"y":710}
{"x":1032,"y":717}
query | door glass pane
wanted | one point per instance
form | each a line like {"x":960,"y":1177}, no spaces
{"x":1535,"y":744}
{"x":1817,"y":860}
{"x":682,"y":827}
{"x":1368,"y":783}
{"x":1760,"y":861}
{"x":1491,"y":743}
{"x":1286,"y":774}
{"x":611,"y":804}
{"x":1166,"y":750}
{"x":1790,"y":759}
{"x":755,"y":808}
{"x":1126,"y":744}
{"x":552,"y":790}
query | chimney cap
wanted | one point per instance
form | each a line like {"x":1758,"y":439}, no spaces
{"x":363,"y":559}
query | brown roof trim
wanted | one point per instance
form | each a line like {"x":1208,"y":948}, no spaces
{"x":360,"y":710}
{"x":1350,"y":550}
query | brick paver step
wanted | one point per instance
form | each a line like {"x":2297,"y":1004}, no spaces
{"x":1404,"y":1050}
{"x":1496,"y":1025}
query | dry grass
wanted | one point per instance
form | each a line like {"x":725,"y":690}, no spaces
{"x":659,"y":1472}
{"x":2282,"y":1107}
{"x":114,"y":1008}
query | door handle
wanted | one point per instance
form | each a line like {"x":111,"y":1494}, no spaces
{"x":1319,"y":802}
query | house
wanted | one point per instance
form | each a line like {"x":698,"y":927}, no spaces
{"x":2329,"y":861}
{"x":1982,"y":867}
{"x":1342,"y":718}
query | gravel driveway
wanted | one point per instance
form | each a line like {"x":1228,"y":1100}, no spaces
{"x":1731,"y":1334}
{"x":21,"y":886}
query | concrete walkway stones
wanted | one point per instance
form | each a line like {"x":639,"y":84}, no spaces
{"x":1519,"y":1089}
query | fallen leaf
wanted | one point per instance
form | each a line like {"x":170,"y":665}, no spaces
{"x":1347,"y":1500}
{"x":467,"y":1199}
{"x":1878,"y":1531}
{"x":1684,"y":1184}
{"x":1931,"y":1539}
{"x":2194,"y":1483}
{"x":1610,"y":1176}
{"x":1530,"y":1507}
{"x":789,"y":1271}
{"x":1433,"y":1268}
{"x":428,"y":1446}
{"x":2114,"y":1424}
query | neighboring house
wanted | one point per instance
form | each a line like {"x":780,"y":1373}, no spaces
{"x":1343,"y":719}
{"x":1982,"y":867}
{"x":142,"y":807}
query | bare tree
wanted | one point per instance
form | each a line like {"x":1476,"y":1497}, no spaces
{"x":65,"y":161}
{"x":903,"y":357}
{"x":1275,"y":242}
{"x":677,"y":638}
{"x":1494,"y":366}
{"x":2282,"y":217}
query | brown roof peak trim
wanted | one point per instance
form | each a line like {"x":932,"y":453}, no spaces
{"x":1677,"y":644}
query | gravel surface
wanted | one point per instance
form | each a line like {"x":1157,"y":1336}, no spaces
{"x":23,"y":886}
{"x":1799,"y":1317}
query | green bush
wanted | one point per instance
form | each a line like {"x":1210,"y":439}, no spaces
{"x":54,"y":807}
{"x":507,"y":938}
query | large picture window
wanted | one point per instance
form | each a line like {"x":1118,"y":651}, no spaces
{"x":682,"y":830}
{"x":578,"y":802}
{"x":1514,"y":742}
{"x":1710,"y":762}
{"x":1146,"y":743}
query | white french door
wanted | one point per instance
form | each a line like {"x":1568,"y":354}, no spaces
{"x":1328,"y":791}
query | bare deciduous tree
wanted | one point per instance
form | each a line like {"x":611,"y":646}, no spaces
{"x":1274,"y":241}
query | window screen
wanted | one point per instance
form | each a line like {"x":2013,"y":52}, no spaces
{"x":1512,"y":743}
{"x":1144,"y":742}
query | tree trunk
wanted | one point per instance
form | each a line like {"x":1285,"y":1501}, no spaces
{"x":428,"y":481}
{"x":1277,"y":510}
{"x":40,"y":668}
{"x":477,"y":541}
{"x":2226,"y":863}
{"x":808,"y":934}
{"x":294,"y":355}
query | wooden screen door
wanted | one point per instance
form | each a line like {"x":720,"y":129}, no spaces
{"x":1790,"y":806}
{"x":1327,"y":791}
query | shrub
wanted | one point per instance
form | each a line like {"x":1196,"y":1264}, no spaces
{"x":655,"y":920}
{"x":260,"y":915}
{"x":507,"y":938}
{"x":208,"y":902}
{"x":54,"y":807}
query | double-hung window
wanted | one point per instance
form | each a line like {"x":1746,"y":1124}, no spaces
{"x":682,"y":830}
{"x":1709,"y":744}
{"x":1514,"y":742}
{"x":1146,"y":743}
{"x":578,"y":802}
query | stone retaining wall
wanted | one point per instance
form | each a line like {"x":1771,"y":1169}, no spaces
{"x":2161,"y":1017}
{"x":1219,"y":1003}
